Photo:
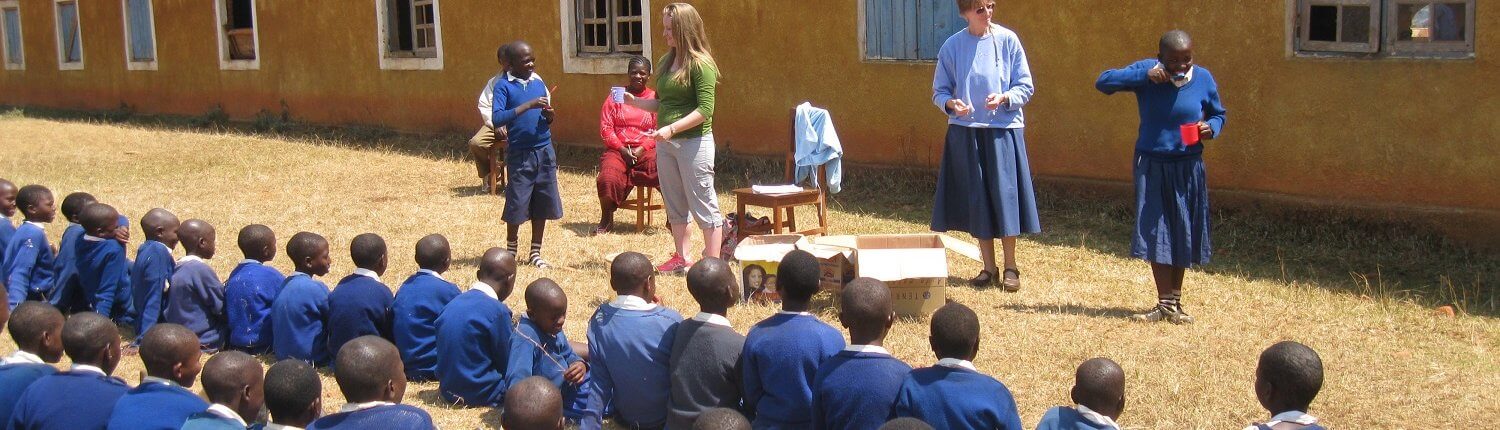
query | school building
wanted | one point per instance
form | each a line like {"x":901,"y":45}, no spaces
{"x":1367,"y":103}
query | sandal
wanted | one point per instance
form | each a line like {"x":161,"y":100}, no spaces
{"x":601,"y":230}
{"x":1012,"y":281}
{"x":984,"y":279}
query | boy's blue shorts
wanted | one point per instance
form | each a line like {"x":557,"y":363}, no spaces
{"x":532,"y":190}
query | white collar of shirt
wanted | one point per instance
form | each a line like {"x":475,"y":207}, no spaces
{"x":37,"y":224}
{"x":84,"y":368}
{"x":250,"y":261}
{"x":187,"y":258}
{"x":295,"y":273}
{"x":274,"y":426}
{"x":92,"y":238}
{"x":954,"y":363}
{"x":872,"y":349}
{"x":355,"y":407}
{"x":1298,"y":417}
{"x":22,"y":357}
{"x":1182,"y":83}
{"x":632,"y":303}
{"x":715,"y":319}
{"x":429,"y":272}
{"x":792,"y":313}
{"x":224,"y":412}
{"x":513,"y":78}
{"x":366,"y":272}
{"x":1096,"y":417}
{"x":485,"y":288}
{"x":153,"y":379}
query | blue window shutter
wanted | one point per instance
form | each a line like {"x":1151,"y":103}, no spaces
{"x":142,"y":48}
{"x":909,"y":29}
{"x":13,"y":36}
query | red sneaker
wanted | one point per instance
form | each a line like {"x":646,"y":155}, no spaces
{"x":676,"y":264}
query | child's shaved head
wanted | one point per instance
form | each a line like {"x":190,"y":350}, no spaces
{"x":721,"y":419}
{"x":72,"y":205}
{"x":955,"y":332}
{"x":712,"y":284}
{"x":293,"y":392}
{"x":1288,"y":377}
{"x":497,"y":267}
{"x":100,"y":220}
{"x":797,"y":277}
{"x":257,"y":242}
{"x":368,"y":252}
{"x":1100,"y":385}
{"x":533,"y":403}
{"x":234,"y":379}
{"x":170,"y":351}
{"x":309,"y":253}
{"x":369,"y":369}
{"x":92,"y":339}
{"x":546,"y":305}
{"x":7,"y":198}
{"x":198,"y":238}
{"x":161,"y":225}
{"x":37,"y":327}
{"x":433,"y":253}
{"x":866,"y":310}
{"x":631,"y":273}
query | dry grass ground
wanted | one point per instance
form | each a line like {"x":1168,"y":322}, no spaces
{"x":1359,"y":293}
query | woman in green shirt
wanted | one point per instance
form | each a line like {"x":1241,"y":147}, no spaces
{"x":685,"y":142}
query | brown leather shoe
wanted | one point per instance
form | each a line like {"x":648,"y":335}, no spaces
{"x":1012,"y":281}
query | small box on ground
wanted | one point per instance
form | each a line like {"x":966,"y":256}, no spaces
{"x":759,"y":257}
{"x":914,"y":266}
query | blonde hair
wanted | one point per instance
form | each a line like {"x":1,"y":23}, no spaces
{"x":687,"y":28}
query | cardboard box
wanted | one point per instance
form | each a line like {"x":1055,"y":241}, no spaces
{"x":915,"y":267}
{"x":759,"y":257}
{"x":835,"y":264}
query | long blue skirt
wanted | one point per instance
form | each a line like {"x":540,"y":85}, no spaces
{"x":984,"y":184}
{"x":1171,"y":206}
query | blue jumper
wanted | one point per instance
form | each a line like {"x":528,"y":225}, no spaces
{"x":298,"y":318}
{"x":781,"y":358}
{"x":249,"y":291}
{"x":14,"y":378}
{"x":533,"y":353}
{"x":359,"y":305}
{"x":473,"y":335}
{"x":629,"y":351}
{"x":29,"y":264}
{"x":385,"y":417}
{"x":155,"y":406}
{"x":970,"y":68}
{"x":1067,"y":418}
{"x":149,"y":278}
{"x":1164,"y":107}
{"x":196,"y":301}
{"x":414,"y":316}
{"x":71,"y":400}
{"x":949,"y":398}
{"x":855,"y":390}
{"x":528,"y":130}
{"x":6,"y":231}
{"x":104,"y":278}
{"x":65,"y":267}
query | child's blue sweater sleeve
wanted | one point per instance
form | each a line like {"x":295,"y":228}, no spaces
{"x":114,"y":280}
{"x":601,"y":387}
{"x":503,"y":114}
{"x":1213,"y":107}
{"x":751,"y":373}
{"x":522,"y":361}
{"x":1126,"y":79}
{"x":18,"y":282}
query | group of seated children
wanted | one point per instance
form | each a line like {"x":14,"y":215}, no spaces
{"x":644,"y":365}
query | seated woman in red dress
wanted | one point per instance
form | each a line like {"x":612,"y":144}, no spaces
{"x":629,"y":155}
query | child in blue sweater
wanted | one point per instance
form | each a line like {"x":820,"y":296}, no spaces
{"x":300,"y":313}
{"x":294,"y":394}
{"x":196,"y":299}
{"x":360,"y":305}
{"x":856,"y":387}
{"x":1098,"y":396}
{"x":233,"y":381}
{"x":28,"y":267}
{"x":783,"y":353}
{"x":250,"y":290}
{"x":65,"y":288}
{"x":953,"y":395}
{"x":369,"y":372}
{"x":84,"y":396}
{"x":152,"y":270}
{"x":7,"y":210}
{"x":539,"y":348}
{"x":36,"y":327}
{"x":534,"y":403}
{"x":630,"y":345}
{"x":162,"y":401}
{"x":415,"y":310}
{"x":103,"y":271}
{"x":523,"y":106}
{"x":473,"y":335}
{"x":1287,"y":379}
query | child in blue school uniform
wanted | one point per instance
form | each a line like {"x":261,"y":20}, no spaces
{"x":473,"y":335}
{"x":1287,"y":379}
{"x":65,"y":287}
{"x":630,"y":346}
{"x":84,"y":396}
{"x":538,"y":347}
{"x":234,"y":383}
{"x":151,"y":273}
{"x":250,"y":290}
{"x":196,"y":299}
{"x":360,"y":304}
{"x":36,"y":327}
{"x":294,"y":394}
{"x":855,"y":388}
{"x":162,"y":401}
{"x":103,"y":271}
{"x":782,"y":353}
{"x":952,"y":394}
{"x":522,"y":104}
{"x":7,"y":210}
{"x":29,"y":257}
{"x":299,"y":314}
{"x":417,"y":305}
{"x":1098,"y":398}
{"x":369,"y":373}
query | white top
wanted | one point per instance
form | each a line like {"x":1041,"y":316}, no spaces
{"x":1181,"y":83}
{"x":226,"y":413}
{"x":487,"y":100}
{"x":1096,"y":417}
{"x":84,"y":368}
{"x":187,"y":258}
{"x":632,"y":303}
{"x":92,"y":238}
{"x":954,"y":363}
{"x":356,"y":407}
{"x":22,"y":357}
{"x":792,"y":313}
{"x":484,"y":288}
{"x":867,"y":349}
{"x":429,"y":272}
{"x":37,"y":224}
{"x":367,"y":272}
{"x":708,"y":318}
{"x":250,"y":261}
{"x":274,"y":426}
{"x":155,"y":380}
{"x":1298,"y":417}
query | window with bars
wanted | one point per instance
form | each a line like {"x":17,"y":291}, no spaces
{"x":411,"y":28}
{"x":140,"y":31}
{"x":237,"y":23}
{"x":1416,"y":28}
{"x":908,"y":30}
{"x":606,"y":27}
{"x":69,"y":36}
{"x":10,"y":29}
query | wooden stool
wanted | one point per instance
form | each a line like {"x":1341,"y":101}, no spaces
{"x":497,"y":179}
{"x":783,"y":212}
{"x":642,"y":206}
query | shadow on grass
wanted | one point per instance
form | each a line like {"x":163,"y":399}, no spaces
{"x":1079,"y":310}
{"x":464,"y":191}
{"x":1324,"y":248}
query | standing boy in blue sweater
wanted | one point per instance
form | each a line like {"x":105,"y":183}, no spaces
{"x":856,"y":387}
{"x":7,"y":210}
{"x":29,"y":257}
{"x":539,"y":348}
{"x":299,"y":314}
{"x":953,"y":395}
{"x":630,"y":348}
{"x":783,"y":352}
{"x":84,"y":396}
{"x":360,"y":305}
{"x":1287,"y":379}
{"x":369,"y":373}
{"x":103,"y":271}
{"x":1098,"y":396}
{"x":36,"y":327}
{"x":522,"y":104}
{"x":473,"y":335}
{"x":162,"y":401}
{"x":417,"y":305}
{"x":152,"y":270}
{"x":249,"y":291}
{"x":234,"y":382}
{"x":705,"y":364}
{"x":196,"y":299}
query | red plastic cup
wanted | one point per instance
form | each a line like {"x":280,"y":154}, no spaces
{"x":1189,"y":134}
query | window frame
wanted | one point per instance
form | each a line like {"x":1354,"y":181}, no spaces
{"x":62,"y":63}
{"x":1304,"y":27}
{"x":599,"y":63}
{"x":221,"y":19}
{"x":1429,"y":49}
{"x":130,"y":62}
{"x":415,"y":58}
{"x":1298,"y":17}
{"x":20,"y":35}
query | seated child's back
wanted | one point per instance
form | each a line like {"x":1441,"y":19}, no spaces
{"x":1098,"y":398}
{"x":856,"y":387}
{"x":782,"y":353}
{"x":196,"y":299}
{"x":473,"y":335}
{"x":953,"y":394}
{"x":360,"y":304}
{"x":630,"y":347}
{"x":705,"y":363}
{"x":417,"y":306}
{"x":250,"y":290}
